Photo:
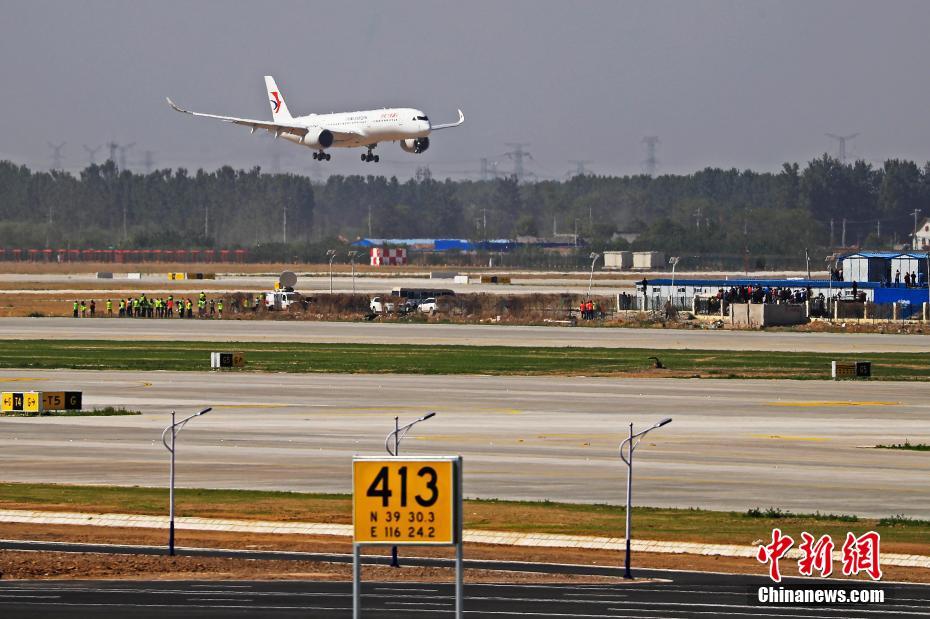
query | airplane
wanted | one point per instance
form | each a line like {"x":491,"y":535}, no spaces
{"x":410,"y":127}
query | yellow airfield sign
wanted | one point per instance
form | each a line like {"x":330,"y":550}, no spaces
{"x":401,"y":501}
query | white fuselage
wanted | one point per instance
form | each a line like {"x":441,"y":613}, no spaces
{"x":367,"y":127}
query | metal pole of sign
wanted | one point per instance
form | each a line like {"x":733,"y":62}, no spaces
{"x":459,"y":547}
{"x":356,"y":581}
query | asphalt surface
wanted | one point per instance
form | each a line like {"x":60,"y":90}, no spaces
{"x":486,"y":335}
{"x":680,"y":595}
{"x":798,"y":445}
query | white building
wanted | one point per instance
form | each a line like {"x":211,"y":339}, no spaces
{"x":921,"y":240}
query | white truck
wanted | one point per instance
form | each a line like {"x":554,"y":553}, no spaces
{"x":280,"y":300}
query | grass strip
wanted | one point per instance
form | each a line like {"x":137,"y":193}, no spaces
{"x":108,"y":411}
{"x":687,"y":525}
{"x":907,"y":445}
{"x":425,"y":359}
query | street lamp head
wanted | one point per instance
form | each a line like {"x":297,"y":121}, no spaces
{"x":594,"y":255}
{"x":205,"y":411}
{"x":427,"y":416}
{"x":674,"y":260}
{"x":665,"y":421}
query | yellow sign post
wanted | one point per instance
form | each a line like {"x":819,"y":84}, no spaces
{"x":22,"y":401}
{"x":399,"y":501}
{"x":407,"y":501}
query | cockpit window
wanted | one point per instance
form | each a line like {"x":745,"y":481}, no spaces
{"x":421,"y":118}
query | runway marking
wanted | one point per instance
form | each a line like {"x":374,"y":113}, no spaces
{"x":22,"y":379}
{"x":813,"y":439}
{"x":828,"y":403}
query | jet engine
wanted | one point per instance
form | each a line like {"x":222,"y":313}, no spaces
{"x":416,"y":145}
{"x":315,"y":138}
{"x":322,"y":138}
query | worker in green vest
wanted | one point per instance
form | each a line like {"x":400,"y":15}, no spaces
{"x":109,"y":308}
{"x":219,"y":308}
{"x":75,"y":309}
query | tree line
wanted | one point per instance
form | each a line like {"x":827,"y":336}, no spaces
{"x":713,"y":211}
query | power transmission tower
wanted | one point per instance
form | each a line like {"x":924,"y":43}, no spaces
{"x":56,"y":154}
{"x":650,"y":163}
{"x":484,"y":168}
{"x":148,"y":161}
{"x":580,"y":169}
{"x":518,"y":154}
{"x":122,"y":154}
{"x":113,"y":146}
{"x":841,"y":144}
{"x":423,"y":173}
{"x":91,"y":154}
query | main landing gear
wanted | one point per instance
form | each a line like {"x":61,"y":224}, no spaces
{"x":321,"y":156}
{"x":368,"y":157}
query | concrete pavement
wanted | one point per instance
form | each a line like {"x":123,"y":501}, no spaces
{"x":484,"y":335}
{"x":798,"y":445}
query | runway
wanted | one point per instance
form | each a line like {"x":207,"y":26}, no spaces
{"x":672,"y":595}
{"x":797,"y":445}
{"x":449,"y":334}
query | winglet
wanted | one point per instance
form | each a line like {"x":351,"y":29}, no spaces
{"x":449,"y":125}
{"x":175,"y":106}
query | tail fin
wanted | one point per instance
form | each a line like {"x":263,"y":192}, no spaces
{"x":279,"y":109}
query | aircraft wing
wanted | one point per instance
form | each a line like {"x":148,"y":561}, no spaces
{"x":449,"y":125}
{"x":341,"y":135}
{"x":273,"y":127}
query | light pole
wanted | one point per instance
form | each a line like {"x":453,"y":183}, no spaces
{"x":594,"y":256}
{"x":674,"y":262}
{"x":352,"y":256}
{"x":398,"y":434}
{"x":332,"y":256}
{"x":628,"y":459}
{"x":174,"y":428}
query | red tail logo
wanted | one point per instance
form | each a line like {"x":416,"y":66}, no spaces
{"x":276,"y":102}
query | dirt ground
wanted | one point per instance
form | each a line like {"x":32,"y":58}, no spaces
{"x":15,"y":564}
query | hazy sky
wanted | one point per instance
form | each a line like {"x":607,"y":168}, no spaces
{"x":744,"y":84}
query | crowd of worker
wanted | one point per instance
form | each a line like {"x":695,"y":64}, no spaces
{"x":142,"y":306}
{"x":590,"y":310}
{"x":763,"y":294}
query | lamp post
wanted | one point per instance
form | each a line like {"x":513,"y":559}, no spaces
{"x":174,"y":428}
{"x":352,"y":256}
{"x":398,"y":434}
{"x":594,"y":256}
{"x":674,"y":262}
{"x":631,"y":444}
{"x":332,"y":256}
